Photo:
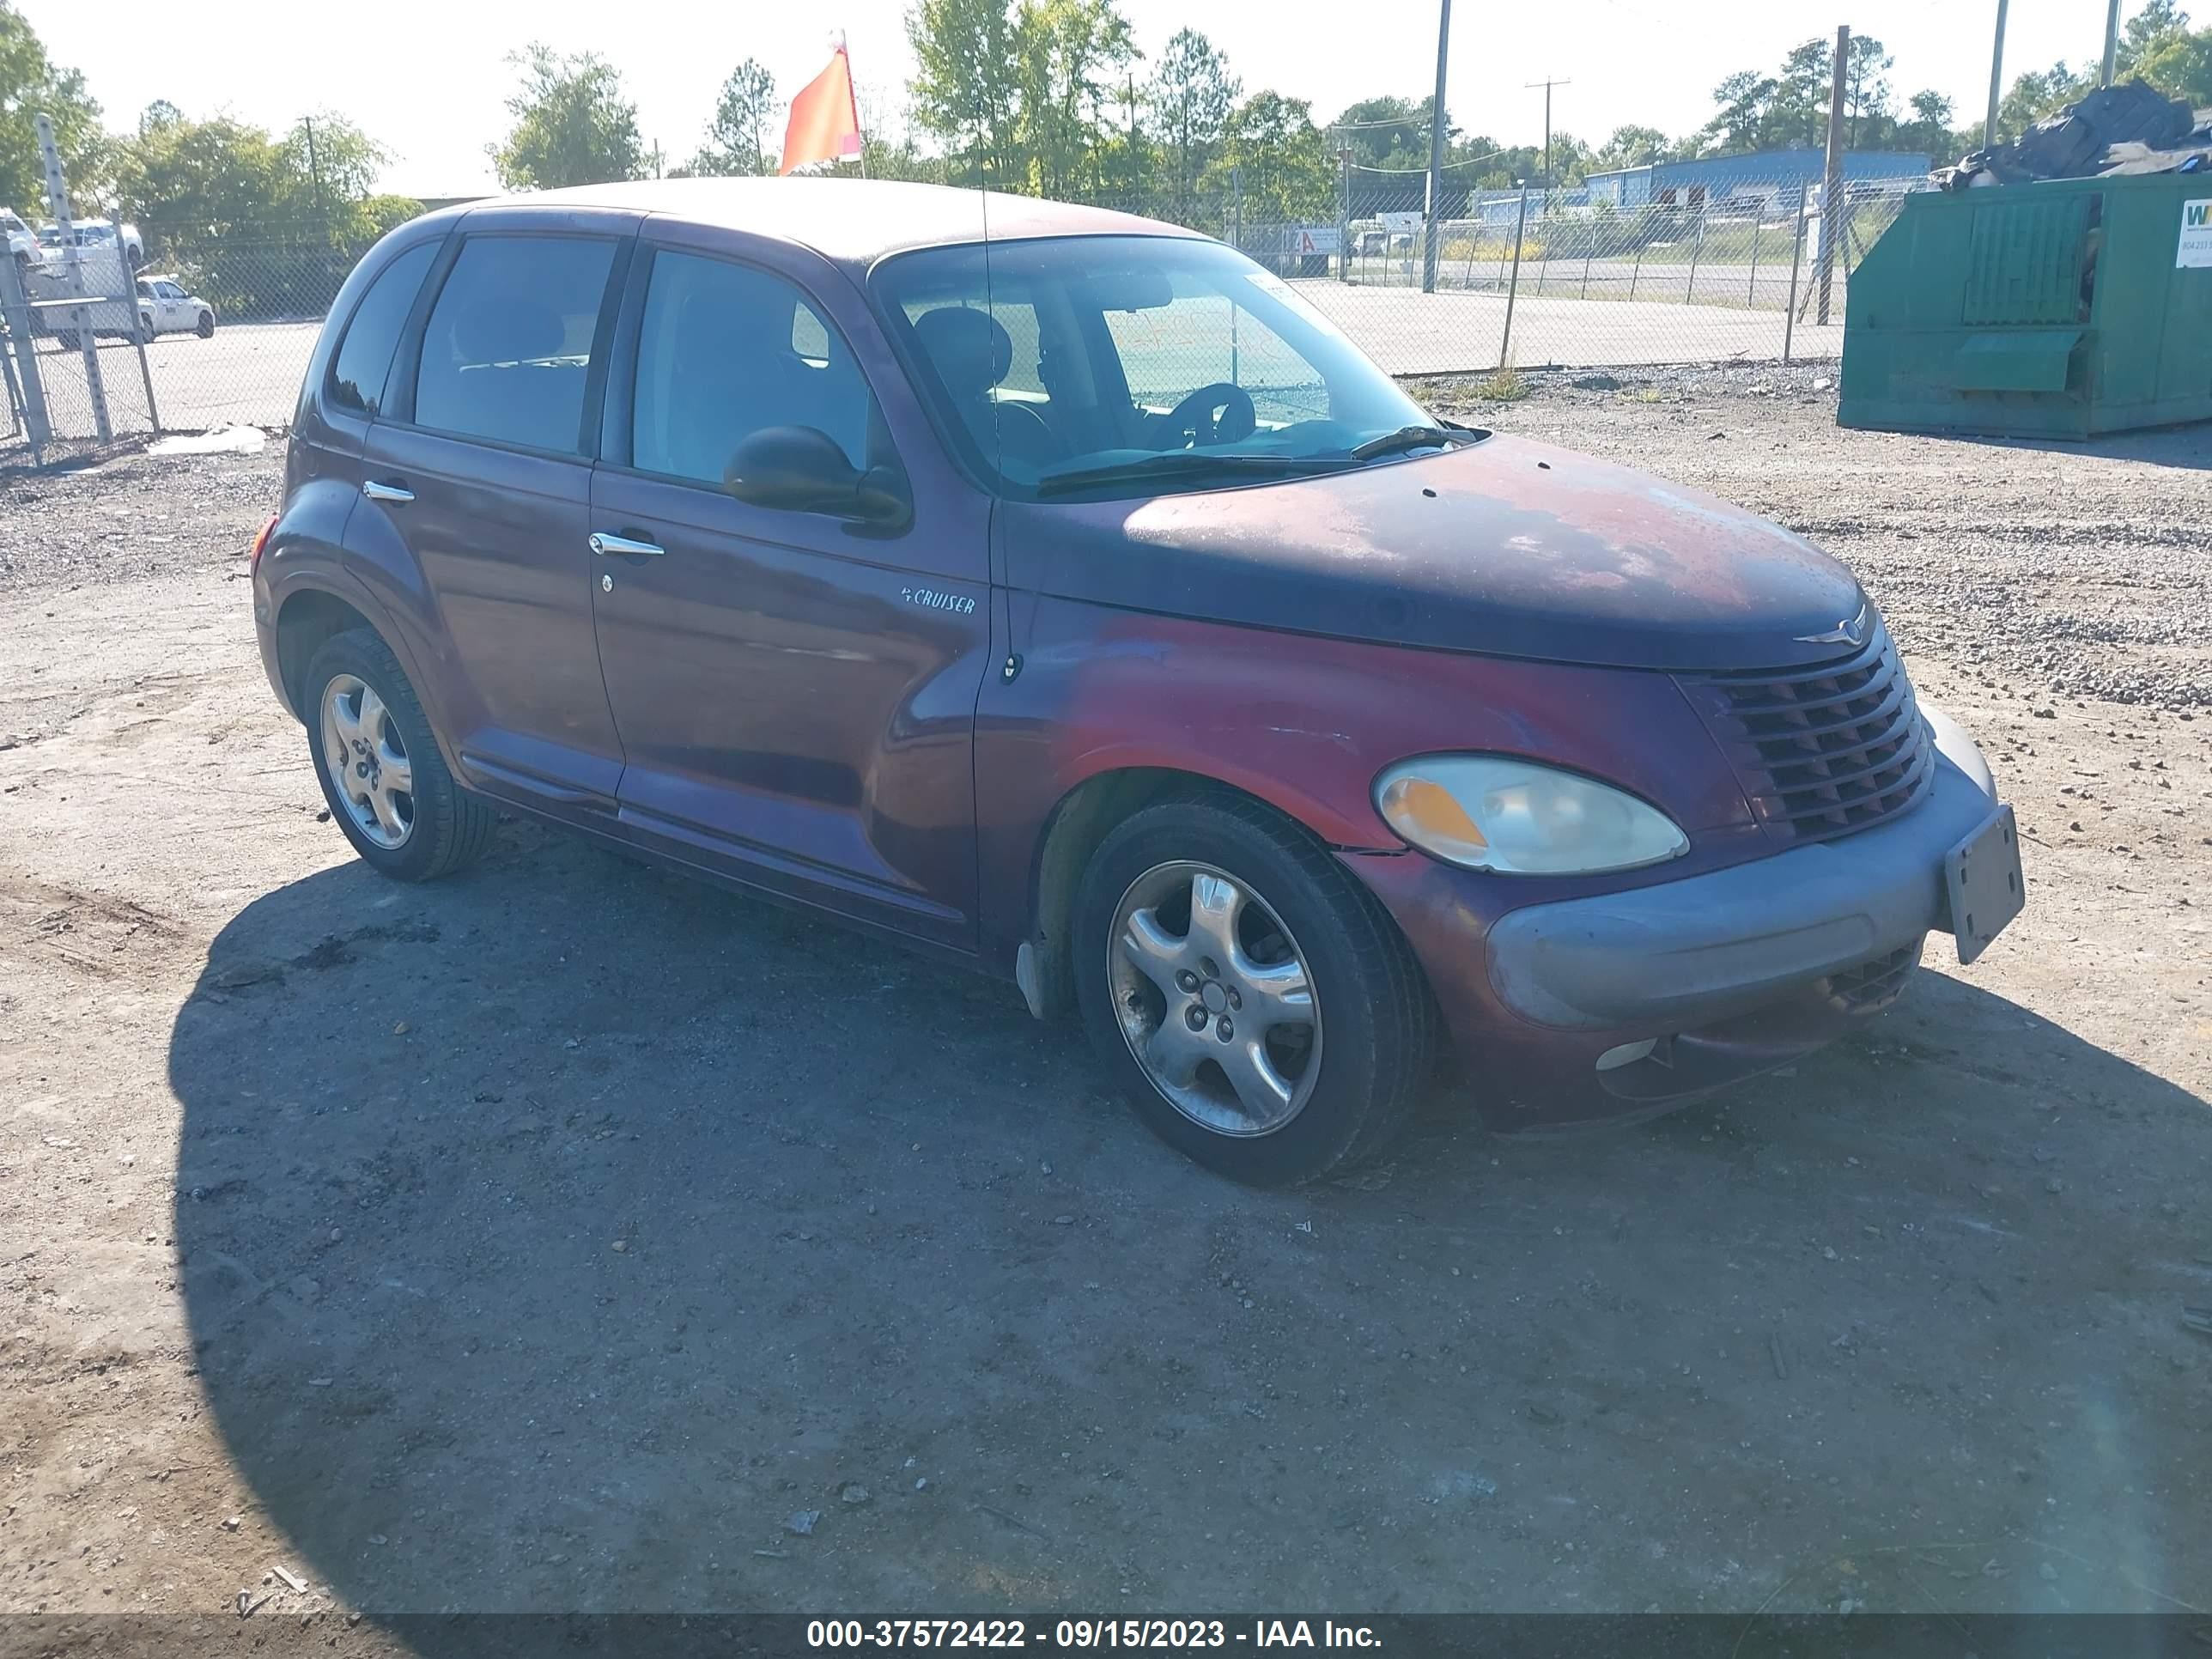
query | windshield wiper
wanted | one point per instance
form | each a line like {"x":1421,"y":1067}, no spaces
{"x":1407,"y":437}
{"x":1180,"y":463}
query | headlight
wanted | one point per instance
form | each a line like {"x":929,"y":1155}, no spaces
{"x":1492,"y":812}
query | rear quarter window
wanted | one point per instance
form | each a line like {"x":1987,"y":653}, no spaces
{"x":363,"y":362}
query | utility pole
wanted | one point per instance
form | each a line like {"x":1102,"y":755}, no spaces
{"x":2111,"y":41}
{"x":315,"y":173}
{"x":1547,"y":86}
{"x":1437,"y":150}
{"x":1996,"y":81}
{"x":1831,"y":193}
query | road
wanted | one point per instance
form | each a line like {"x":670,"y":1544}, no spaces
{"x":249,"y":373}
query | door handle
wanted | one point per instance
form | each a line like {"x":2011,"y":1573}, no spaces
{"x":398,"y":494}
{"x":607,"y":545}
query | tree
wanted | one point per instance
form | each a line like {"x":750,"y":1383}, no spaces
{"x":1631,"y":147}
{"x":2036,"y":93}
{"x":1929,"y":129}
{"x":1866,"y":89}
{"x":1275,"y":160}
{"x":572,"y":124}
{"x":964,"y":88}
{"x":1739,"y":122}
{"x":1386,"y":132}
{"x":1066,"y":53}
{"x":30,"y":84}
{"x":2162,"y":49}
{"x":1191,"y":95}
{"x":738,"y":138}
{"x":333,"y":163}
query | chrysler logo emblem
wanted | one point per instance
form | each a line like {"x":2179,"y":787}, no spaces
{"x":1852,"y":631}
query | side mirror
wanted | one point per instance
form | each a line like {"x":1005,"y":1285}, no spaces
{"x":800,"y":469}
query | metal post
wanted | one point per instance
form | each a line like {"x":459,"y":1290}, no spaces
{"x":1589,"y":252}
{"x":1758,"y":224}
{"x":1797,"y":257}
{"x":138,"y":336}
{"x":1344,"y":216}
{"x":1437,"y":150}
{"x":15,"y":308}
{"x":1636,"y":269}
{"x":58,"y":204}
{"x":2112,"y":41}
{"x":1544,"y":235}
{"x":1696,"y":250}
{"x":1236,"y":208}
{"x":1831,"y":193}
{"x":1506,"y":344}
{"x":1996,"y":81}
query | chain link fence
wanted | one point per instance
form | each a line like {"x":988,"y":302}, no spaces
{"x":1746,"y":269}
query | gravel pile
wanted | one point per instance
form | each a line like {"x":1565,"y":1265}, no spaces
{"x":132,"y":517}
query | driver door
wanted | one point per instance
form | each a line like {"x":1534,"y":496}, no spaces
{"x":795,"y":692}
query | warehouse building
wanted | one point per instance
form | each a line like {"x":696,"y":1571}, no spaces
{"x":1771,"y":180}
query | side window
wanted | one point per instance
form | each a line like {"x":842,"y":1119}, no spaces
{"x":508,"y":343}
{"x":364,"y":357}
{"x":724,"y":350}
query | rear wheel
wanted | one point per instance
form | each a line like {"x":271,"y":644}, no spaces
{"x":1262,"y":1013}
{"x":387,"y":787}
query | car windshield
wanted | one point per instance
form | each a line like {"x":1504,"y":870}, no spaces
{"x":1105,"y":367}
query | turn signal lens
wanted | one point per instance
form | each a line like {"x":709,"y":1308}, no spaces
{"x":1514,"y":817}
{"x":261,"y":541}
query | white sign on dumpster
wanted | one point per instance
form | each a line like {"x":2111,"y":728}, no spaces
{"x":1314,"y":239}
{"x":2195,"y":249}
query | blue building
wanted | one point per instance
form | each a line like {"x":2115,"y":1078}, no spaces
{"x":1772,"y":179}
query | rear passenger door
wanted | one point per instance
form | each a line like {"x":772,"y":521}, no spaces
{"x":481,"y":466}
{"x":795,"y":692}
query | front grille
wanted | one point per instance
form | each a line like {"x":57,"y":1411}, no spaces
{"x":1826,"y":750}
{"x":1871,"y":986}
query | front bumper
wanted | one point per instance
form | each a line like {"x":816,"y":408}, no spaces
{"x":1729,"y":973}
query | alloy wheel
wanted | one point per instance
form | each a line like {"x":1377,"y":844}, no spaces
{"x":1214,"y":999}
{"x":367,"y":759}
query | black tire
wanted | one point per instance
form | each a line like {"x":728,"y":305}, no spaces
{"x":145,"y":326}
{"x":450,"y":828}
{"x":1378,"y":1017}
{"x":205,"y":329}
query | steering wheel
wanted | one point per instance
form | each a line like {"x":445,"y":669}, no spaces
{"x":1217,"y":413}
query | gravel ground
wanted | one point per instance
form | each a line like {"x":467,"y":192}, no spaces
{"x":560,"y":1237}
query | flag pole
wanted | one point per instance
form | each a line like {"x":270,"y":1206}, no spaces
{"x":852,"y":90}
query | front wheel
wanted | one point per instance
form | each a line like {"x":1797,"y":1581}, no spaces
{"x":206,"y":328}
{"x":387,"y":785}
{"x":1261,"y":1011}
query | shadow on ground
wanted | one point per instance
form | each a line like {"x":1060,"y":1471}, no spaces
{"x":568,"y":1236}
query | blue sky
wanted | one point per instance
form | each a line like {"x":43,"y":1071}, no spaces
{"x":427,"y":77}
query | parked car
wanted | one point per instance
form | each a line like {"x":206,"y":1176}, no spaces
{"x":165,"y":308}
{"x":95,"y":234}
{"x":23,"y":241}
{"x":1096,"y":615}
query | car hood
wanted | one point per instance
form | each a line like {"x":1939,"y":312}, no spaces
{"x":1506,"y":547}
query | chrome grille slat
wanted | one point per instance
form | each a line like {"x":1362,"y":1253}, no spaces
{"x":1823,"y":750}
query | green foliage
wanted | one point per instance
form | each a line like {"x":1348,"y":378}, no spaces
{"x":744,"y":126}
{"x":31,"y":83}
{"x":2159,"y":47}
{"x":965,"y":87}
{"x":1632,"y":147}
{"x":1068,"y":53}
{"x":1275,"y":162}
{"x":572,"y":124}
{"x":1190,"y":95}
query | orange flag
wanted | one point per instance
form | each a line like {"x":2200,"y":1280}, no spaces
{"x":825,"y":122}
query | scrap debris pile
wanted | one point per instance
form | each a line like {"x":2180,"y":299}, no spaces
{"x":2125,"y":129}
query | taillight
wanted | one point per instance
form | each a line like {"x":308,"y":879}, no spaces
{"x":261,"y":541}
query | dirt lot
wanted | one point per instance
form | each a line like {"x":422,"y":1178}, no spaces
{"x":551,"y":1238}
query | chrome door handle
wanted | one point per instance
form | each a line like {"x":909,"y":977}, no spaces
{"x":606,"y":546}
{"x":398,"y":494}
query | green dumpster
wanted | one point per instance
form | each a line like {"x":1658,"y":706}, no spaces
{"x":2063,"y":308}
